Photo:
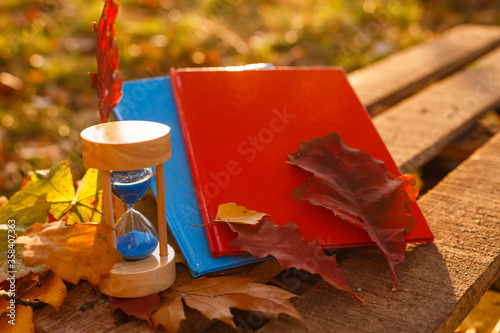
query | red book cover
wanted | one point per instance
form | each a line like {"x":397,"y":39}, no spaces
{"x":239,"y":127}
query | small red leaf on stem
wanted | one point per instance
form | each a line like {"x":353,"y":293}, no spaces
{"x":107,"y":81}
{"x":288,"y":246}
{"x":359,"y":189}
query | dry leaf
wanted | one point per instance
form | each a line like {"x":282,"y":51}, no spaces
{"x":170,"y":312}
{"x":287,"y":245}
{"x":23,"y":321}
{"x":215,"y":297}
{"x":72,"y":252}
{"x":233,"y":213}
{"x":358,"y":189}
{"x":140,"y":307}
{"x":49,"y":289}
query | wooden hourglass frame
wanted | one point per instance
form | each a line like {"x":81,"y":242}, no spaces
{"x":127,"y":146}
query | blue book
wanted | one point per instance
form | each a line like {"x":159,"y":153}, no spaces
{"x":153,"y":100}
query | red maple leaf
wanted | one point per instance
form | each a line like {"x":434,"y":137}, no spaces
{"x":287,"y":245}
{"x":359,"y":189}
{"x":140,"y":307}
{"x":107,"y":81}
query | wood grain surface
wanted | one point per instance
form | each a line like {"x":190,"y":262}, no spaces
{"x":416,"y":129}
{"x":388,"y":81}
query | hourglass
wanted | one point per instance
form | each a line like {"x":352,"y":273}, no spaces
{"x":125,"y":152}
{"x":136,"y":237}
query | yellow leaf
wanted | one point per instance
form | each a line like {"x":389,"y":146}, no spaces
{"x":19,"y":321}
{"x":233,"y":213}
{"x":72,"y":252}
{"x":51,"y":290}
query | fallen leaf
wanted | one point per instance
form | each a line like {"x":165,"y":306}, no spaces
{"x":107,"y":81}
{"x":72,"y":252}
{"x":18,"y":269}
{"x":233,"y":213}
{"x":140,"y":307}
{"x":51,"y":191}
{"x":169,"y":313}
{"x":359,"y":189}
{"x":48,"y":196}
{"x":214,"y":297}
{"x":287,"y":245}
{"x":87,"y":205}
{"x":23,"y":321}
{"x":50,"y":289}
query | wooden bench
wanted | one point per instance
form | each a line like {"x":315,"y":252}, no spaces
{"x":448,"y":84}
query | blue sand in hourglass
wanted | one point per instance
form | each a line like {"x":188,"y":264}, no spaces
{"x":136,"y":245}
{"x":136,"y":236}
{"x":130,"y":186}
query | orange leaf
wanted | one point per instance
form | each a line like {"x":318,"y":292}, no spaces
{"x":51,"y":290}
{"x":72,"y":252}
{"x":22,"y":322}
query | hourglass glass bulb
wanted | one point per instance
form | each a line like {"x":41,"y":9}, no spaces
{"x":136,"y":236}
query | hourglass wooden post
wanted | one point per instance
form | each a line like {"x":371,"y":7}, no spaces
{"x":127,"y":146}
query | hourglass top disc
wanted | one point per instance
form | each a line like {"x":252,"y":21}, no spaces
{"x":130,"y":186}
{"x":125,"y":145}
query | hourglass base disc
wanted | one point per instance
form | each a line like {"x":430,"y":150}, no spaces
{"x":141,"y":278}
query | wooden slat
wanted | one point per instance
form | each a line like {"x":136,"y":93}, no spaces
{"x":84,"y":310}
{"x":440,"y":282}
{"x":390,"y":80}
{"x":416,"y":129}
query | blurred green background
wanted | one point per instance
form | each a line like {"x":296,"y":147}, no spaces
{"x":47,"y":49}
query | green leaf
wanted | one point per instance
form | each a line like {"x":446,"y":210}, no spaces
{"x":50,"y":191}
{"x":87,"y":206}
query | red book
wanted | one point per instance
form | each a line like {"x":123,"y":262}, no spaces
{"x":239,"y":127}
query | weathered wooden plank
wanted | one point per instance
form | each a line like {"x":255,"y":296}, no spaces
{"x":416,"y":129}
{"x":440,"y":282}
{"x":85,"y":311}
{"x":388,"y":81}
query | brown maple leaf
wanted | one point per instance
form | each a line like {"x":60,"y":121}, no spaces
{"x":215,"y":297}
{"x":72,"y":252}
{"x":107,"y":81}
{"x":287,"y":245}
{"x":358,"y":189}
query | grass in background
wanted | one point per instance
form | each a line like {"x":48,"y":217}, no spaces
{"x":47,"y":49}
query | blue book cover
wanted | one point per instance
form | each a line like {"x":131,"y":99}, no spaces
{"x":152,"y":99}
